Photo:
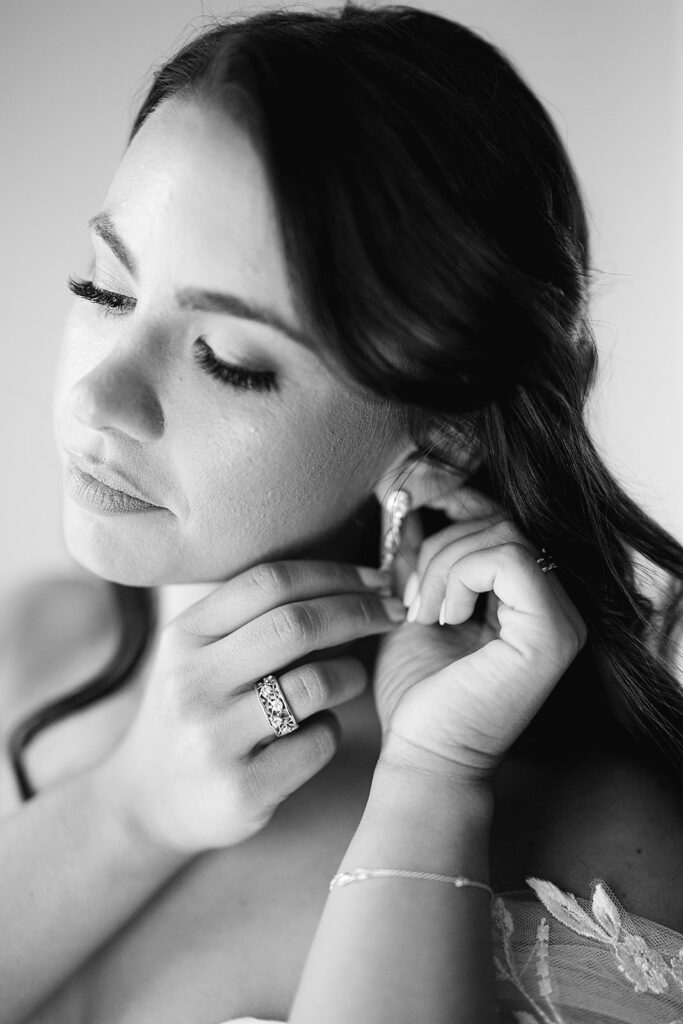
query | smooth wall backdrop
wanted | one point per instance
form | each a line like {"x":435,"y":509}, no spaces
{"x":71,"y":74}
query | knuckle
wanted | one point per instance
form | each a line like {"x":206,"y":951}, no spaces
{"x":516,"y":551}
{"x":253,"y":786}
{"x":189,"y":694}
{"x":297,"y":625}
{"x":569,"y":642}
{"x":313,"y":684}
{"x":579,"y":636}
{"x":575,"y":647}
{"x":174,"y":637}
{"x":367,"y":610}
{"x":567,"y":649}
{"x":505,"y":532}
{"x":273,"y":578}
{"x":183,"y":678}
{"x":325,"y":741}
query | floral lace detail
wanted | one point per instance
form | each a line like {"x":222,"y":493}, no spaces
{"x":503,"y":922}
{"x":644,"y":968}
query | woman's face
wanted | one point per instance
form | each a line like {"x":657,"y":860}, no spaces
{"x":237,"y":475}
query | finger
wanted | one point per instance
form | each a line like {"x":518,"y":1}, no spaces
{"x":435,"y":544}
{"x":290,"y":632}
{"x":442,"y":567}
{"x":493,"y":604}
{"x":280,"y":768}
{"x":467,"y":503}
{"x":308,"y":689}
{"x":526,"y":598}
{"x":266,"y":586}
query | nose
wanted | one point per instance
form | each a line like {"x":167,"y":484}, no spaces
{"x":118,"y":395}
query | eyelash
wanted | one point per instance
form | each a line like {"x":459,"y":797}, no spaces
{"x":112,"y":301}
{"x":116,"y":304}
{"x":248,"y":380}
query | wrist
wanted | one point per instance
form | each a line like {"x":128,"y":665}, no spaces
{"x":430,"y":800}
{"x":128,"y":829}
{"x":425,"y":822}
{"x":409,"y":763}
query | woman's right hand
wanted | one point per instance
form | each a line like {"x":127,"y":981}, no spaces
{"x":200,"y":766}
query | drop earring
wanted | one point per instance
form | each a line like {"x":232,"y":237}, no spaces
{"x":395,"y":507}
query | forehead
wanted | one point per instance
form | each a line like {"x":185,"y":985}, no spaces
{"x":191,"y":196}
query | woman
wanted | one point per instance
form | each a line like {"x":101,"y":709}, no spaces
{"x":342,"y":268}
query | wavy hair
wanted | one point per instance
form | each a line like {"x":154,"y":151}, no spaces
{"x":437,"y":247}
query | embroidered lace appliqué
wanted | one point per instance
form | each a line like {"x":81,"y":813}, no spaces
{"x":588,"y":962}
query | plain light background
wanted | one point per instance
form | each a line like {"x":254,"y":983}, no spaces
{"x":608,"y":71}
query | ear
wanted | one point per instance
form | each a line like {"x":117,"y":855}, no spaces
{"x":428,"y":483}
{"x":429,"y":486}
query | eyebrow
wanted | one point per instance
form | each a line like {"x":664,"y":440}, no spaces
{"x":198,"y":299}
{"x":101,"y":224}
{"x":233,"y":305}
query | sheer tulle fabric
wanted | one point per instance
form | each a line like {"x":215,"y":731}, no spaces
{"x":563,"y":960}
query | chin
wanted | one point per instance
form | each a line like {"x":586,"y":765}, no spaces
{"x":121,"y":556}
{"x":152,"y":560}
{"x":116,"y":570}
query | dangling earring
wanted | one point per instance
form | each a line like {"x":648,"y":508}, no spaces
{"x":395,"y":508}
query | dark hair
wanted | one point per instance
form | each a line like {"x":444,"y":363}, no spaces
{"x":438,"y":249}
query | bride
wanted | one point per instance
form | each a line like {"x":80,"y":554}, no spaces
{"x":320,"y":415}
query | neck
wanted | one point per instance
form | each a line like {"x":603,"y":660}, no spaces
{"x":355,"y":541}
{"x":175,"y":598}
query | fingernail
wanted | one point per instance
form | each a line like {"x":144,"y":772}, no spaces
{"x":412,"y":587}
{"x":394,"y":609}
{"x":414,"y":609}
{"x":442,"y":613}
{"x":372,"y":578}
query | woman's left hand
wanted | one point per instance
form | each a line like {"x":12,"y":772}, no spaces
{"x":454,"y":697}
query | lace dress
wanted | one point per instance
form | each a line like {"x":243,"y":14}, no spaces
{"x":564,"y":960}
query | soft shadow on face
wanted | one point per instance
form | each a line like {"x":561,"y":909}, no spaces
{"x":243,"y":474}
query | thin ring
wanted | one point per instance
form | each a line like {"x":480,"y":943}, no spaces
{"x":275,"y":707}
{"x":546,"y":561}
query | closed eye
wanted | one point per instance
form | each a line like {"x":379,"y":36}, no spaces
{"x":112,"y":301}
{"x":240,"y":377}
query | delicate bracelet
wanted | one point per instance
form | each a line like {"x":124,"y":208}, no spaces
{"x":360,"y":874}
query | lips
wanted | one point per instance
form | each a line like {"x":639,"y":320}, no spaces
{"x":110,"y":476}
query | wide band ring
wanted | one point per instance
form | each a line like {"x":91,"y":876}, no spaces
{"x":546,"y":561}
{"x":275,"y":707}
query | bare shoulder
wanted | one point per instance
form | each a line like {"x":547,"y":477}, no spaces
{"x":604,"y":815}
{"x":42,"y":622}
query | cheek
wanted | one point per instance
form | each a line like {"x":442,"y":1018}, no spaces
{"x":283,"y":475}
